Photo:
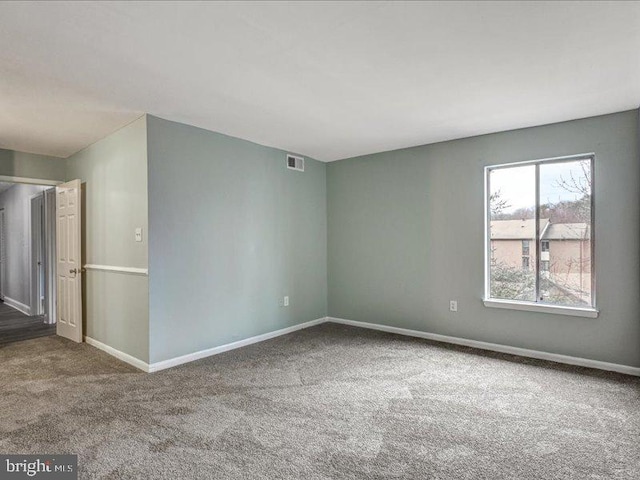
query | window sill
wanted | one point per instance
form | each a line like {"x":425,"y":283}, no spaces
{"x":537,"y":307}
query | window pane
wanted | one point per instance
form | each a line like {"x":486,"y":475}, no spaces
{"x":565,"y":199}
{"x":512,"y":223}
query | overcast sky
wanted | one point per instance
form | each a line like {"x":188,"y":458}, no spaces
{"x":517,"y":185}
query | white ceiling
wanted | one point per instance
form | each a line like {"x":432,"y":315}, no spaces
{"x":328,"y":80}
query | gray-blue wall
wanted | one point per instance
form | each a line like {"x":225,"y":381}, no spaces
{"x":113,"y":172}
{"x":405,"y":235}
{"x":31,"y":165}
{"x":231,"y":231}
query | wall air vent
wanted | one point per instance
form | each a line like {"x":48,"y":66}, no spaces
{"x":295,"y":163}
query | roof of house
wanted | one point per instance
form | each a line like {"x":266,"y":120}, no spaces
{"x":516,"y":229}
{"x":525,"y":230}
{"x":567,"y":231}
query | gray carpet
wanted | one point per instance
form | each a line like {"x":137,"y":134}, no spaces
{"x":326,"y":402}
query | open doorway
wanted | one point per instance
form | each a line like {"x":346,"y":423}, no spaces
{"x":27,"y":261}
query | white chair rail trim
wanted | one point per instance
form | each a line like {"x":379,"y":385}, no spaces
{"x":117,"y":269}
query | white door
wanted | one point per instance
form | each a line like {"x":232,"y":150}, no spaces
{"x":69,"y":268}
{"x":2,"y":254}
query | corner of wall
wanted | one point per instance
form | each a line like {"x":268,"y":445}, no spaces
{"x":114,"y":173}
{"x":265,"y":225}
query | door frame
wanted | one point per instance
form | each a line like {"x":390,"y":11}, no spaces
{"x":50,"y":311}
{"x":42,"y":237}
{"x":37,"y":234}
{"x":30,"y":181}
{"x":3,"y":253}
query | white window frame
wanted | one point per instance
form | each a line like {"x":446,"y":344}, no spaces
{"x":538,"y":305}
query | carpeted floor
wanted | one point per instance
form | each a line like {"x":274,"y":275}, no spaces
{"x":327,"y":402}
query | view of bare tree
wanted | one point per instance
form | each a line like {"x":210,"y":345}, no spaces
{"x":577,"y":183}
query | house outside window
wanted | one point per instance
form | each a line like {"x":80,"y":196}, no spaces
{"x":540,"y":233}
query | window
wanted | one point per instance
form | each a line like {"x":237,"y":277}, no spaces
{"x":540,"y":234}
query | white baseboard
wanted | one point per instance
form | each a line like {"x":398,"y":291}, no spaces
{"x":125,"y":357}
{"x":26,"y":309}
{"x":495,"y":347}
{"x":191,"y":357}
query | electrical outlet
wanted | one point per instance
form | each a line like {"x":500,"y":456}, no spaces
{"x":138,"y":234}
{"x":453,"y":305}
{"x":286,"y":301}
